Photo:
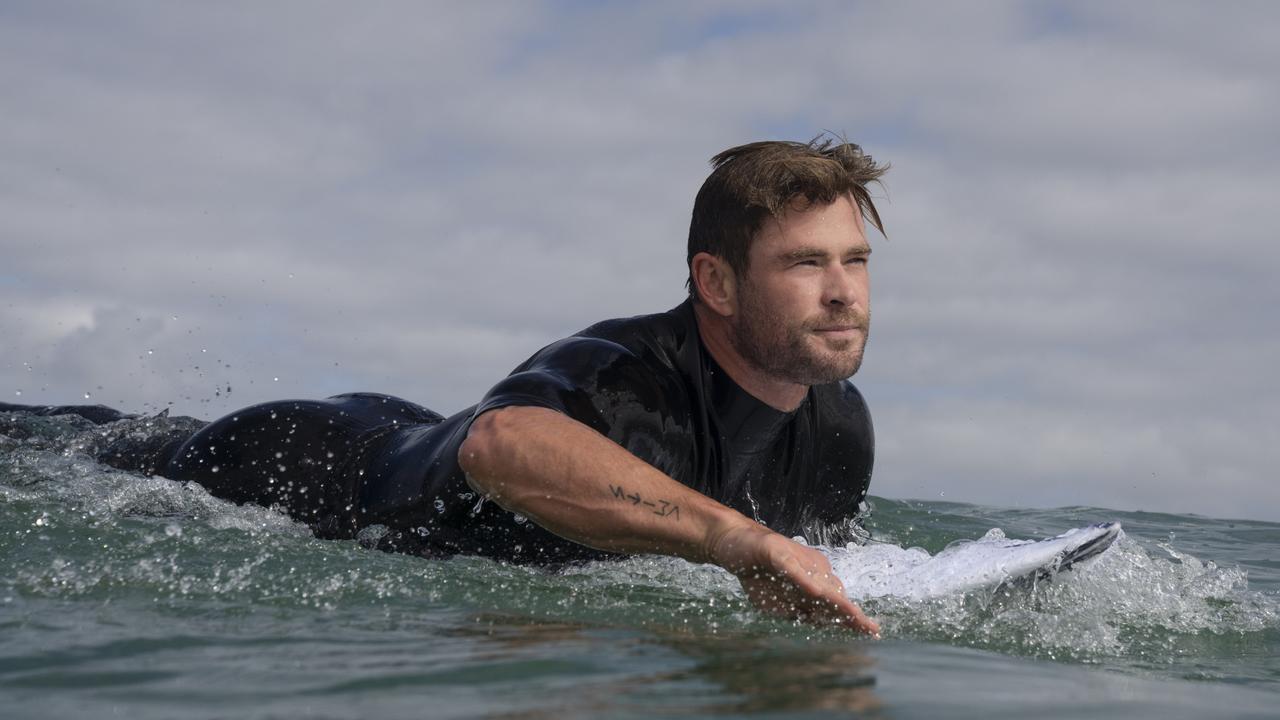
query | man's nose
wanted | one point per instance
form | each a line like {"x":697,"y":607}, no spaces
{"x":841,"y":286}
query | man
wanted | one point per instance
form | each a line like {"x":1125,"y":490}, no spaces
{"x":713,"y":432}
{"x":778,"y":269}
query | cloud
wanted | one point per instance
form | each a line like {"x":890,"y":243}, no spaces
{"x":296,"y":200}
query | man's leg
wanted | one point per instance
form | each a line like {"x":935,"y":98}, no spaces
{"x":293,"y":454}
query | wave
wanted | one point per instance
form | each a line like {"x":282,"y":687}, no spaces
{"x":73,"y":528}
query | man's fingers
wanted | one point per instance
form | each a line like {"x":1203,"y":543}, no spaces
{"x":852,"y":615}
{"x":783,"y":577}
{"x":839,"y":609}
{"x":822,"y":595}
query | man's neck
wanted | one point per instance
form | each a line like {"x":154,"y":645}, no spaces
{"x":715,"y":332}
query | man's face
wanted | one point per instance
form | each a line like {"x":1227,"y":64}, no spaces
{"x":803,"y":303}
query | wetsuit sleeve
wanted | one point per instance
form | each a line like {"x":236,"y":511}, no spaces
{"x":594,"y":381}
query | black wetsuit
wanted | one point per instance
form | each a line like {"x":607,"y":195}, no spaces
{"x":647,"y":383}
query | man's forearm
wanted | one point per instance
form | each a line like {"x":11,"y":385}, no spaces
{"x":581,"y":485}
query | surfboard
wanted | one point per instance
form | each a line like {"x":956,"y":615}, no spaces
{"x":991,"y":562}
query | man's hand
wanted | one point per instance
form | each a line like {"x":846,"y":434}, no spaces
{"x":783,"y":577}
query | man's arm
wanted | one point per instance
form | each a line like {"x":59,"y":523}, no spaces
{"x":581,"y":485}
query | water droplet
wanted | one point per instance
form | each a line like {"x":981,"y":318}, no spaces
{"x":520,"y":519}
{"x":275,"y":379}
{"x":439,"y":504}
{"x":371,"y":534}
{"x":86,"y":396}
{"x":215,"y":469}
{"x":173,"y":530}
{"x":18,"y":393}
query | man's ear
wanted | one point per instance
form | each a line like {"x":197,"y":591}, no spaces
{"x":716,"y":284}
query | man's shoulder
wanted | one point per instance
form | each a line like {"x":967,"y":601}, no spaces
{"x":643,"y":332}
{"x":842,"y":393}
{"x":603,"y":370}
{"x":662,"y":342}
{"x":657,"y":343}
{"x":841,"y":410}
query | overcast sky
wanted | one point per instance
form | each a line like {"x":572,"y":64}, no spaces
{"x":209,"y":205}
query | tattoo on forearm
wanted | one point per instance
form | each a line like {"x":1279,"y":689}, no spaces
{"x":662,"y":508}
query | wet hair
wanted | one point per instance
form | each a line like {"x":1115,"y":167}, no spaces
{"x":751,"y":182}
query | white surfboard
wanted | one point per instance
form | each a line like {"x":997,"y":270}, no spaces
{"x":882,"y":570}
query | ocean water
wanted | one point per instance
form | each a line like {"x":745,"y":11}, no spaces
{"x":128,"y":596}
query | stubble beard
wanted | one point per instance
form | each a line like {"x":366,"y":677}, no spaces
{"x":785,"y":351}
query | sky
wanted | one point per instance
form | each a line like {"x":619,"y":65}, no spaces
{"x":209,"y":205}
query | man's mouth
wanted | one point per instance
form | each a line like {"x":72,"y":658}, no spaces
{"x":840,"y":325}
{"x":842,"y":335}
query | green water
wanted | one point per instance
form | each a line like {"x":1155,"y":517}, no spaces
{"x":139,"y":597}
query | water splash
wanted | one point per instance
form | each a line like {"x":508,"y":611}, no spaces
{"x":74,"y":528}
{"x":1127,"y":602}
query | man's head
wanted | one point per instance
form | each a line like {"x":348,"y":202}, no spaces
{"x":761,"y":180}
{"x":783,"y":273}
